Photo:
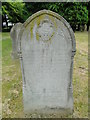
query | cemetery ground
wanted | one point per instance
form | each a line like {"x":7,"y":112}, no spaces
{"x":12,"y":100}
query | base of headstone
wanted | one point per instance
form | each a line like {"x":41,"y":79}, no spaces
{"x":47,"y":113}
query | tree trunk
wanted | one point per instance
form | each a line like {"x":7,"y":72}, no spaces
{"x":78,"y":27}
{"x":74,"y":27}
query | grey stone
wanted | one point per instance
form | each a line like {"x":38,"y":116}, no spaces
{"x":14,"y":33}
{"x":47,"y":48}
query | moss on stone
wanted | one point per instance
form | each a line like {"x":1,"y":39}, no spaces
{"x":38,"y":21}
{"x":53,"y":20}
{"x":37,"y":36}
{"x":31,"y":28}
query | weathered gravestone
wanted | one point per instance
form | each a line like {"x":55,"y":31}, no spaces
{"x":14,"y":33}
{"x":47,"y":48}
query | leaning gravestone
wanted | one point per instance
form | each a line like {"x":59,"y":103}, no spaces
{"x":14,"y":33}
{"x":47,"y":48}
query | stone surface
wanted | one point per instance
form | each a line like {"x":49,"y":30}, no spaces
{"x":14,"y":33}
{"x":47,"y":48}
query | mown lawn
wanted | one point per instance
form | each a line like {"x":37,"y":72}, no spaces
{"x":12,"y":79}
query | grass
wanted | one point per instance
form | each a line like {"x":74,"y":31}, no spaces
{"x":80,"y":75}
{"x":0,"y":76}
{"x":12,"y":79}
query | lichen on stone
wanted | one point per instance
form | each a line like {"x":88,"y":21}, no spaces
{"x":31,"y":28}
{"x":38,"y":20}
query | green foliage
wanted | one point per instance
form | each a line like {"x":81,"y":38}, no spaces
{"x":74,"y":12}
{"x":14,"y":10}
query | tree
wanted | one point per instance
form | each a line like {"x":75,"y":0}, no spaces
{"x":75,"y":13}
{"x":14,"y":11}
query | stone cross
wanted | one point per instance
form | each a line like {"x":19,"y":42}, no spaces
{"x":47,"y":48}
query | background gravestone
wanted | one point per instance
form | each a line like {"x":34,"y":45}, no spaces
{"x":14,"y":33}
{"x":47,"y":48}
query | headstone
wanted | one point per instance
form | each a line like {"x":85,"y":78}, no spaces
{"x":47,"y":48}
{"x":14,"y":33}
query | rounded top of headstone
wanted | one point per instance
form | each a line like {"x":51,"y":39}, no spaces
{"x":59,"y":17}
{"x":41,"y":12}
